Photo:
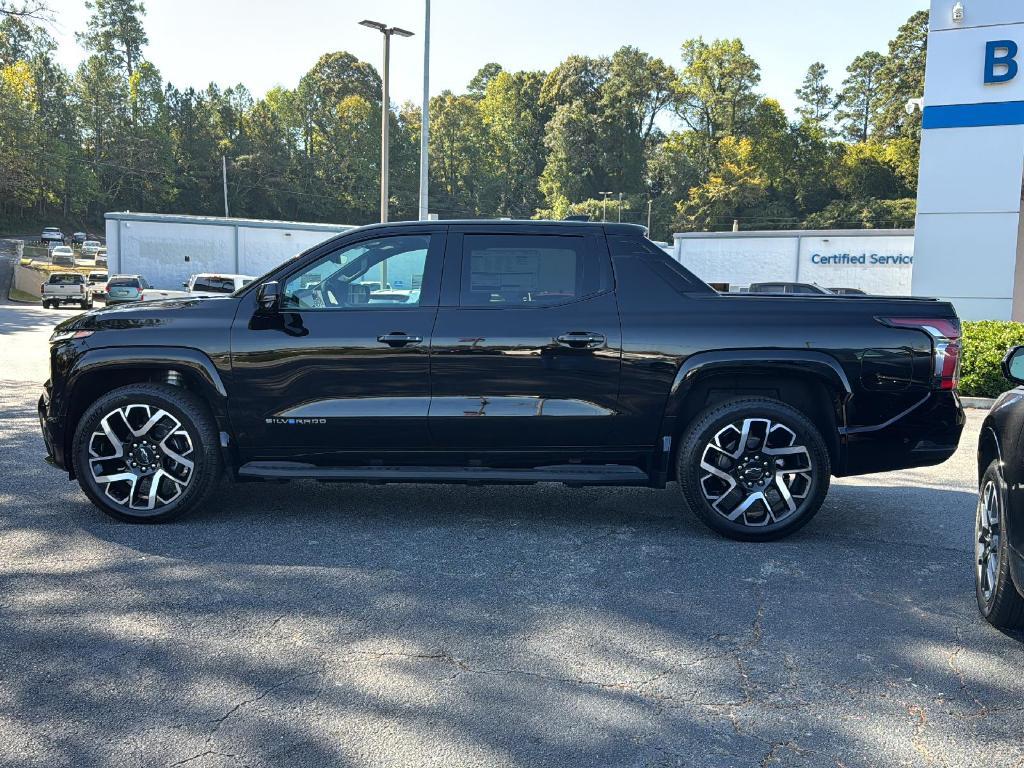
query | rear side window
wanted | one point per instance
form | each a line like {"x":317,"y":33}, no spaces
{"x":659,"y":262}
{"x":528,"y":270}
{"x":214,"y":284}
{"x":66,"y":279}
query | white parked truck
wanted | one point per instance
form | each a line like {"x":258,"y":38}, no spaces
{"x":65,"y":288}
{"x":203,"y":284}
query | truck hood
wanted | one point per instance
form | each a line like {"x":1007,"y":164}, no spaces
{"x":164,"y":313}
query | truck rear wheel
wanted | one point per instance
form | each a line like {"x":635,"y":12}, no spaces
{"x":753,"y":469}
{"x":147,"y":452}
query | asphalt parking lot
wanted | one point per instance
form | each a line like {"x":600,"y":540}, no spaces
{"x":424,"y":625}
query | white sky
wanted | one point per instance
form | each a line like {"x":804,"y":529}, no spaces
{"x":264,"y":43}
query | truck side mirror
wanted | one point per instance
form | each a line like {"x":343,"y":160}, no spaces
{"x":268,"y":297}
{"x":1013,"y":365}
{"x":185,"y":285}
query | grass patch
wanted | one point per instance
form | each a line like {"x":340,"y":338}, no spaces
{"x":17,"y":295}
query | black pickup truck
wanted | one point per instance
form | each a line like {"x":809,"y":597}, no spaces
{"x":502,"y":352}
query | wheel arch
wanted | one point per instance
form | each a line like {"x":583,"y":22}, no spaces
{"x":812,"y":382}
{"x":100,"y":370}
{"x":988,"y":450}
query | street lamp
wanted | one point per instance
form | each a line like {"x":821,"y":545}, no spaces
{"x":604,"y":205}
{"x":425,"y":116}
{"x":385,"y":111}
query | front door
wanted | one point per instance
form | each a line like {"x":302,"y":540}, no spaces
{"x":343,"y":367}
{"x":527,"y":343}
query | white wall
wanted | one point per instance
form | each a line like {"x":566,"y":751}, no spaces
{"x":972,"y":162}
{"x":166,"y":250}
{"x":874,"y":261}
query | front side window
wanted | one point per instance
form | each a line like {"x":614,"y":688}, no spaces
{"x":526,"y":270}
{"x":372,"y":274}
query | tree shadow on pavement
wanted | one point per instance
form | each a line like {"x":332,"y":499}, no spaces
{"x":428,"y":625}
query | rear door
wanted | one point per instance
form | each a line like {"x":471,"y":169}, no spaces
{"x":526,"y":345}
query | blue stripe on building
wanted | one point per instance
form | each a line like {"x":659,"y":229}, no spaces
{"x":973,"y":115}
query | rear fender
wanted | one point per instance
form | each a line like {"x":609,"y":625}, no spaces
{"x":793,"y":364}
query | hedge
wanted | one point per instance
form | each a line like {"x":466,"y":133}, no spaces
{"x":985,"y":343}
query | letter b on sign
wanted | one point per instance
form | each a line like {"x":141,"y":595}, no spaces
{"x":999,"y":54}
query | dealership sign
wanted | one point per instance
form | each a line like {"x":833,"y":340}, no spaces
{"x":862,"y":259}
{"x":1000,"y":61}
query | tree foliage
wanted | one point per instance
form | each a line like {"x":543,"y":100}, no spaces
{"x":692,"y":143}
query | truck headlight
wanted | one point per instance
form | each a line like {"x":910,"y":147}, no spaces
{"x":68,"y":335}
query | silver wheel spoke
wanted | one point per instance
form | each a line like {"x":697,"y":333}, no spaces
{"x":756,"y":472}
{"x":139,"y":457}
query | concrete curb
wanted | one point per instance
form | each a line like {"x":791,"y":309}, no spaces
{"x":977,"y":402}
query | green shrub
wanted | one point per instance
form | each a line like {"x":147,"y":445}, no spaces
{"x":985,"y":344}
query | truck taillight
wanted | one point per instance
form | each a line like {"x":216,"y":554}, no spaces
{"x":945,"y":334}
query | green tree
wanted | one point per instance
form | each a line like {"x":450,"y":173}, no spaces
{"x":478,"y":85}
{"x":859,"y":99}
{"x":716,"y":91}
{"x":115,"y":31}
{"x":816,"y":98}
{"x":729,"y":192}
{"x":515,"y":119}
{"x":902,"y":78}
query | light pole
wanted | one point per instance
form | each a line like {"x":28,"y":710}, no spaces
{"x":604,"y":205}
{"x":620,"y":206}
{"x":425,"y":122}
{"x":385,"y":110}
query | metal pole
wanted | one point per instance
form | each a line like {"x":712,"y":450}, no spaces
{"x":224,"y":173}
{"x":384,"y":115}
{"x":425,"y":124}
{"x":620,"y":206}
{"x":649,"y":217}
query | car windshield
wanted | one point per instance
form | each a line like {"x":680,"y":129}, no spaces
{"x":66,"y":279}
{"x":212,"y":284}
{"x":124,"y":282}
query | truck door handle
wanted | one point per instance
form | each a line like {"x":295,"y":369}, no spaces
{"x":580,"y":339}
{"x":399,"y":339}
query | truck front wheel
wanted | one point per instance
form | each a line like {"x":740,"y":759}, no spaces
{"x":753,"y":469}
{"x":147,"y":452}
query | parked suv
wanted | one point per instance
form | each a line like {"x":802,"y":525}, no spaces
{"x":125,"y":288}
{"x":524,"y":352}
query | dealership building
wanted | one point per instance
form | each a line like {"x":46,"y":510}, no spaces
{"x":968,"y":243}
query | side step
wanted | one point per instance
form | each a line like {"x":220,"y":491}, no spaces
{"x":570,"y":474}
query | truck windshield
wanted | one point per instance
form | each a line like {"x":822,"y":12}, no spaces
{"x":66,"y":279}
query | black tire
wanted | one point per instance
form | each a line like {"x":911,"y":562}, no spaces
{"x":193,"y":486}
{"x":778,"y":503}
{"x":85,"y":304}
{"x":46,"y":305}
{"x":998,"y":599}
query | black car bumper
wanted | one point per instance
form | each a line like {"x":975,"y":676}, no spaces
{"x":925,"y":435}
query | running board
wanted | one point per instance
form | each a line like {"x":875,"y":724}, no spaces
{"x":570,"y":474}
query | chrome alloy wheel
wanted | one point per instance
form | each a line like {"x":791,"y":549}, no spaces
{"x":755,"y":473}
{"x":139,"y":457}
{"x":986,"y":545}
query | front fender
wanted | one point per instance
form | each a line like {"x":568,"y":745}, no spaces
{"x":200,"y":369}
